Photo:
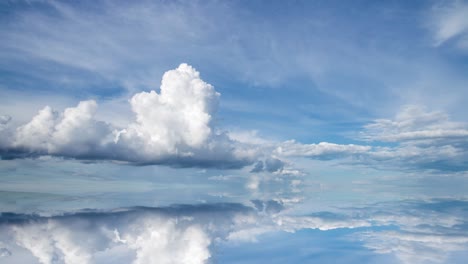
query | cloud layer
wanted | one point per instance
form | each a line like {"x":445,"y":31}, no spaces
{"x":415,"y":139}
{"x":174,"y":126}
{"x":425,"y":140}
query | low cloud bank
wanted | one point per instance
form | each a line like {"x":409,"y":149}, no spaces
{"x":174,"y":126}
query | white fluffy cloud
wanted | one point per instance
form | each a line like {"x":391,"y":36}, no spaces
{"x":174,"y":126}
{"x":427,"y":230}
{"x":152,"y":238}
{"x":170,"y":235}
{"x":73,"y":133}
{"x":180,"y":116}
{"x":163,"y":242}
{"x":36,"y":134}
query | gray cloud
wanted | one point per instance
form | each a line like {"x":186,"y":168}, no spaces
{"x":4,"y":252}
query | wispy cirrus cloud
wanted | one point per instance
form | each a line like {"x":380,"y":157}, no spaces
{"x":415,"y":123}
{"x":425,"y":139}
{"x":450,"y":23}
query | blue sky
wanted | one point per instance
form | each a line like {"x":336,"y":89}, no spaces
{"x":310,"y":118}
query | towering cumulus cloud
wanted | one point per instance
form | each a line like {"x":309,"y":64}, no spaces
{"x":179,"y":117}
{"x":174,"y":126}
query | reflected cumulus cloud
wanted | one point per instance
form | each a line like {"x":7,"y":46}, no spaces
{"x":411,"y":231}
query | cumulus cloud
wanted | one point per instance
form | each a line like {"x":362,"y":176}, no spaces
{"x":50,"y":242}
{"x":147,"y":240}
{"x":173,"y":126}
{"x":136,"y":235}
{"x":180,"y":116}
{"x":74,"y":133}
{"x":161,"y":241}
{"x":413,"y":231}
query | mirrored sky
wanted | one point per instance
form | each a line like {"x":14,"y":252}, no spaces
{"x":233,"y":132}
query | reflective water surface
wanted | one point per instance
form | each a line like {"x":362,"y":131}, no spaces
{"x":94,"y":215}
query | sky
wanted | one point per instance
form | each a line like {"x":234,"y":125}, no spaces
{"x":233,"y":131}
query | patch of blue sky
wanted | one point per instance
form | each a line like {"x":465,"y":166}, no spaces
{"x":373,"y":29}
{"x":79,"y":85}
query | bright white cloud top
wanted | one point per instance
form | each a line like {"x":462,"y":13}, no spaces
{"x":174,"y":126}
{"x":181,"y":115}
